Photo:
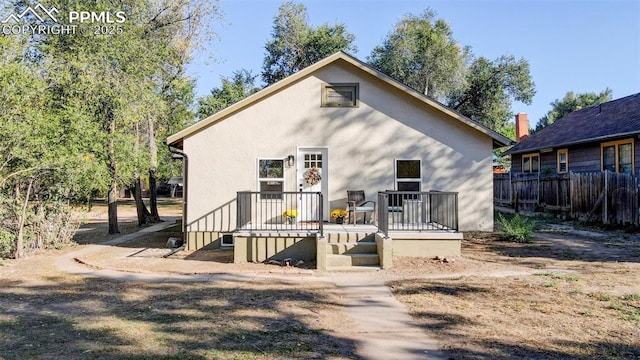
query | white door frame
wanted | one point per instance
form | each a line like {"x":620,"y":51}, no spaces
{"x":324,"y":182}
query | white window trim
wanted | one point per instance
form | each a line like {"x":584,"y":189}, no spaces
{"x":223,"y":244}
{"x":260,"y":180}
{"x":395,"y":174}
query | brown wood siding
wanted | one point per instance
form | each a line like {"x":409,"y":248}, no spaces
{"x":548,"y":160}
{"x":582,"y":158}
{"x":636,"y":154}
{"x":516,"y":163}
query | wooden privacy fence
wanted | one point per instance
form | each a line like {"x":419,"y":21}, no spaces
{"x":611,"y":198}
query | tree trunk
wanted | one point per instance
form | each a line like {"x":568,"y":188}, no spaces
{"x":153,"y":166}
{"x":141,"y":209}
{"x":19,"y":253}
{"x":112,"y":197}
{"x":144,"y":217}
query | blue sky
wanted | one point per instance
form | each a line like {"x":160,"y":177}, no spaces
{"x":575,"y":46}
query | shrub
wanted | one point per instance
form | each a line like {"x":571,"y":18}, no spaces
{"x":7,"y":244}
{"x":517,"y":228}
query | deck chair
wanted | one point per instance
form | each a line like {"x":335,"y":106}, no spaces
{"x":356,"y":203}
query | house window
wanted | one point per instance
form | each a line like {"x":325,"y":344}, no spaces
{"x":563,"y":161}
{"x":271,"y":178}
{"x":408,"y":175}
{"x":226,"y":240}
{"x":617,"y":156}
{"x":531,"y":163}
{"x":340,"y":95}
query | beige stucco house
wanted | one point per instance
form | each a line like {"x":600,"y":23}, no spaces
{"x":335,"y":126}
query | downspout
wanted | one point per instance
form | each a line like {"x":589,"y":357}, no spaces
{"x":185,"y":167}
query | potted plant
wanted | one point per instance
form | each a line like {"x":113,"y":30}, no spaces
{"x":290,"y":215}
{"x":338,"y":215}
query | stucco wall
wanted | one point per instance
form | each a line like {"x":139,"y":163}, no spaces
{"x":362,"y":145}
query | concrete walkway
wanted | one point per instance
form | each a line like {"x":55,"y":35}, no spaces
{"x":382,"y":327}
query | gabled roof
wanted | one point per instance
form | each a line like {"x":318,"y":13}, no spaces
{"x":612,"y":119}
{"x":176,"y":139}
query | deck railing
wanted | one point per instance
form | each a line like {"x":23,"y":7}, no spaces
{"x":280,"y":211}
{"x":417,"y":211}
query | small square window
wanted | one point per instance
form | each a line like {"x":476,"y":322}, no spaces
{"x":340,"y":95}
{"x":226,"y":240}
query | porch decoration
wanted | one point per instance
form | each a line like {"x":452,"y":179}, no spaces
{"x":338,"y":215}
{"x":312,"y":176}
{"x":290,"y":215}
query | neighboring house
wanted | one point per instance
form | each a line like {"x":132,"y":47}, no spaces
{"x":597,"y":138}
{"x":337,"y":125}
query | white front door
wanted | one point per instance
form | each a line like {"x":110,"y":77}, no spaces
{"x":313,"y":175}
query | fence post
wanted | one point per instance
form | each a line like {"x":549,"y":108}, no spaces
{"x":571,"y":194}
{"x":605,"y":203}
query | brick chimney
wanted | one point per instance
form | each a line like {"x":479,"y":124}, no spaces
{"x":522,"y":127}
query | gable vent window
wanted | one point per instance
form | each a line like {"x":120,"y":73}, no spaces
{"x":340,"y":95}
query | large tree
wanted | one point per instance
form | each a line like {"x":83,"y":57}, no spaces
{"x":45,"y":151}
{"x":232,"y":90}
{"x":490,"y":88}
{"x":572,"y":102}
{"x":422,"y":53}
{"x":295,"y":44}
{"x":130,"y":84}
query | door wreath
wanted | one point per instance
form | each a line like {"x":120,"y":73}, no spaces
{"x":312,"y":176}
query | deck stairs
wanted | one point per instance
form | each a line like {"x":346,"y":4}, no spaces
{"x":352,"y":252}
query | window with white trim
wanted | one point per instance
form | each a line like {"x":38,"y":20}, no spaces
{"x":340,"y":95}
{"x":408,"y":175}
{"x":270,"y":178}
{"x":530,"y":163}
{"x":226,"y":240}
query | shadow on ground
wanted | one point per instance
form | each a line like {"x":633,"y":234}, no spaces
{"x":75,"y":317}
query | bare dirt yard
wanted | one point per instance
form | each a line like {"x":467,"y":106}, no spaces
{"x":567,"y":295}
{"x":48,"y":314}
{"x":581,"y":302}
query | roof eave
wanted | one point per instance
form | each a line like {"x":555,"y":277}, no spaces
{"x":583,"y":141}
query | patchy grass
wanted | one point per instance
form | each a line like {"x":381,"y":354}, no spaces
{"x":524,"y":317}
{"x":585,"y":306}
{"x":75,"y":317}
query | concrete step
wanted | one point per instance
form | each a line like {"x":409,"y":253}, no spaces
{"x":334,"y":260}
{"x":349,"y":237}
{"x":362,"y":247}
{"x":364,"y":268}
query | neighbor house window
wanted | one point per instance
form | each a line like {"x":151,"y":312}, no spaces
{"x":531,"y":163}
{"x":271,"y":178}
{"x":617,"y":156}
{"x":408,"y":175}
{"x":340,"y":95}
{"x":563,"y":161}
